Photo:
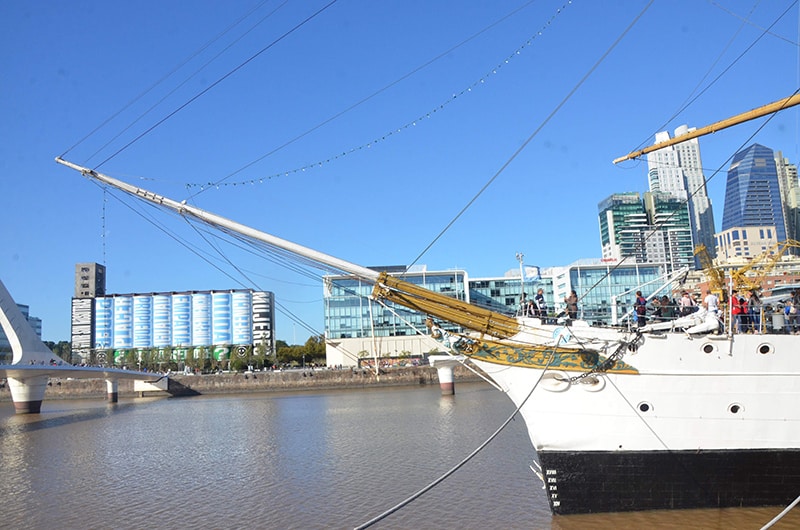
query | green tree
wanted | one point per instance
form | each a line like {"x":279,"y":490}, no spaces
{"x":61,"y":348}
{"x":315,"y":349}
{"x":290,"y":354}
{"x":190,"y":360}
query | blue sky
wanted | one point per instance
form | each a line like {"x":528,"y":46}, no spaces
{"x":364,"y":130}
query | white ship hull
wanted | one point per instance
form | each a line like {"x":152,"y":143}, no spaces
{"x":704,"y":421}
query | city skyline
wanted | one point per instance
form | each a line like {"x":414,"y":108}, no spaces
{"x":379,"y":132}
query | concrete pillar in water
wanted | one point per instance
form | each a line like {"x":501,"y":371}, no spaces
{"x":112,"y":390}
{"x":27,"y":394}
{"x":444,"y":365}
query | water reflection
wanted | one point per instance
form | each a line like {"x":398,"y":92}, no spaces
{"x":305,"y":460}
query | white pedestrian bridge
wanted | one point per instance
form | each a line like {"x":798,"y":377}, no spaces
{"x":33,"y":364}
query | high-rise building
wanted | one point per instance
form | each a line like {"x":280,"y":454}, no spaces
{"x":790,"y":194}
{"x":653,"y":230}
{"x":90,"y":281}
{"x":670,"y":217}
{"x":623,"y":223}
{"x":753,"y":192}
{"x":678,"y":171}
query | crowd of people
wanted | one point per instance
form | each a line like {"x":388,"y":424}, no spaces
{"x":537,"y":307}
{"x":745,"y":309}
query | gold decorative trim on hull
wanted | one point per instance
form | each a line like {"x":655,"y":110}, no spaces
{"x":539,"y":356}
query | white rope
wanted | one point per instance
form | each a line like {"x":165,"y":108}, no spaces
{"x":780,"y":515}
{"x":460,"y":464}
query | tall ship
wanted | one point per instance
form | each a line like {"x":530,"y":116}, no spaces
{"x":672,"y":415}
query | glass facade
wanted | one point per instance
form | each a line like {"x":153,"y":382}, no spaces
{"x":752,"y":192}
{"x":503,"y":295}
{"x":670,"y":215}
{"x":619,"y":215}
{"x":678,"y":171}
{"x":349,"y":312}
{"x":599,"y":286}
{"x":655,"y":229}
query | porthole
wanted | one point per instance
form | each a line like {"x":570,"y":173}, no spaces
{"x":765,"y":348}
{"x":735,"y":408}
{"x":709,"y":348}
{"x":644,"y":406}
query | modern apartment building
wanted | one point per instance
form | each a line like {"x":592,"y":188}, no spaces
{"x":678,"y":171}
{"x":790,"y":194}
{"x":653,"y":229}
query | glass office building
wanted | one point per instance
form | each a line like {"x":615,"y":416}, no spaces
{"x":677,"y":170}
{"x":503,"y":295}
{"x":357,"y":328}
{"x":653,"y":229}
{"x":600,"y":285}
{"x":752,"y":192}
{"x":349,"y":312}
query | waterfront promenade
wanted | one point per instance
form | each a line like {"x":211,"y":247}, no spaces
{"x":269,"y":381}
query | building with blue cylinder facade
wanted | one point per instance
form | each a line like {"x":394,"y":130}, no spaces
{"x":217,"y":319}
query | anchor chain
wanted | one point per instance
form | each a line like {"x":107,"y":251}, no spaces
{"x":606,"y":365}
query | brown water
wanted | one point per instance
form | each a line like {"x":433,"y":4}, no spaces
{"x":303,"y":460}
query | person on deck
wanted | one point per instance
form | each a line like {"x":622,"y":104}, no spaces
{"x":667,"y":308}
{"x":640,"y":308}
{"x":572,"y":304}
{"x":754,"y":305}
{"x":711,"y":302}
{"x":541,"y":305}
{"x":736,"y":311}
{"x":687,"y":305}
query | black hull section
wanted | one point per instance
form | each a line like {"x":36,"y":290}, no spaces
{"x":616,"y":481}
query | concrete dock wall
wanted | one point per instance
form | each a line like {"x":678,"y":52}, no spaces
{"x":293,"y":380}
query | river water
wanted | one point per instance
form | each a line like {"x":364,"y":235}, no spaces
{"x":333,"y":459}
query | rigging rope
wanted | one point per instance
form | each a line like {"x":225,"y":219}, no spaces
{"x":460,"y":464}
{"x":781,"y":515}
{"x":690,"y":196}
{"x":407,"y":125}
{"x":535,"y":132}
{"x":217,"y":82}
{"x":690,"y":100}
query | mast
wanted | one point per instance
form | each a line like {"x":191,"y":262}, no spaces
{"x":386,"y":287}
{"x":781,"y":104}
{"x":217,"y":220}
